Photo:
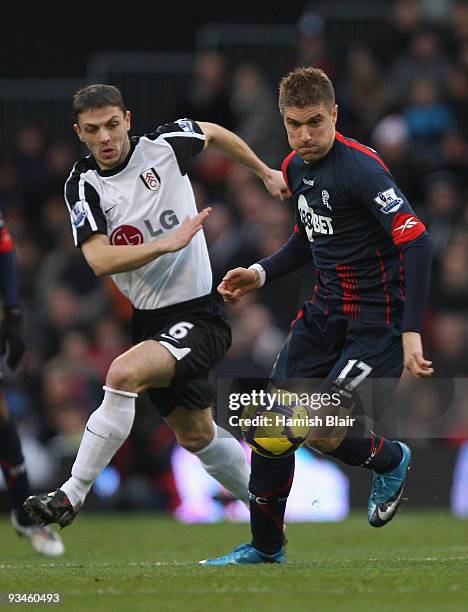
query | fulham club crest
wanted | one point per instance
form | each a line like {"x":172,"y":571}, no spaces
{"x":151,"y":179}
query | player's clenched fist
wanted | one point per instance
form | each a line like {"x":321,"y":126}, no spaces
{"x":413,"y":356}
{"x":237,"y":283}
{"x":276,"y":185}
{"x":180,"y":237}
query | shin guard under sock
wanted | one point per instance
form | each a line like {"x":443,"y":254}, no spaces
{"x":362,"y":447}
{"x":270,"y":484}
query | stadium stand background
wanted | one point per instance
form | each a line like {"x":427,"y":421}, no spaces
{"x":401,"y":75}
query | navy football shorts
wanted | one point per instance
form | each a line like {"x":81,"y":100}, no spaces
{"x":198,"y":335}
{"x":362,"y":360}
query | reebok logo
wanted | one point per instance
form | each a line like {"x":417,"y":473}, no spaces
{"x":408,"y":224}
{"x":406,"y":227}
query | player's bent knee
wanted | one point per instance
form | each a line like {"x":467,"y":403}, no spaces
{"x":123,"y":375}
{"x":193,"y":441}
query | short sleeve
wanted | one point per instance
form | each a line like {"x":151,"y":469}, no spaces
{"x":83,"y":204}
{"x":185,"y":137}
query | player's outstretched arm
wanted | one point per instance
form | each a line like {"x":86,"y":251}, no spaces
{"x":231,"y":145}
{"x":413,"y":356}
{"x":237,"y":283}
{"x":240,"y":281}
{"x":105,"y":258}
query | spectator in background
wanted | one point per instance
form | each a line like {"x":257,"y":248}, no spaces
{"x":31,"y":166}
{"x":108,"y":341}
{"x":255,"y":344}
{"x":426,"y":59}
{"x":68,"y":293}
{"x":60,"y":157}
{"x":71,"y":364}
{"x":311,"y":43}
{"x":392,"y":140}
{"x":225,"y":245}
{"x":456,"y":93}
{"x":208,"y":94}
{"x":442,"y":209}
{"x":405,"y":19}
{"x":60,"y":312}
{"x":455,"y":155}
{"x":450,"y":342}
{"x":365,"y":96}
{"x":458,"y":21}
{"x":255,"y":114}
{"x":29,"y":258}
{"x":428,"y":118}
{"x":11,"y":195}
{"x":450,"y":286}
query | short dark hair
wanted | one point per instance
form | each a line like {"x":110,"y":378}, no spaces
{"x":304,"y":87}
{"x":97,"y":96}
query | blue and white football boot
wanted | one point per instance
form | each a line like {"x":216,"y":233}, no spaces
{"x":246,"y":553}
{"x":387,"y":491}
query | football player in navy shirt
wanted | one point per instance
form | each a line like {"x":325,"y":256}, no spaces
{"x":373,"y":257}
{"x":43,"y":539}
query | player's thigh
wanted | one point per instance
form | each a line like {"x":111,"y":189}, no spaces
{"x":197,"y":349}
{"x":146,"y":365}
{"x":311,"y":349}
{"x":197,"y":338}
{"x":368,"y":369}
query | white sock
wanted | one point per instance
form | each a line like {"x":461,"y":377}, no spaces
{"x":224,"y":459}
{"x":106,"y":430}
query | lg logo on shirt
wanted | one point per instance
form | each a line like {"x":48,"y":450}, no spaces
{"x":313,"y":223}
{"x":129,"y":234}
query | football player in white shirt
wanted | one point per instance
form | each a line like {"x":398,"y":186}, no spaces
{"x":134,"y":216}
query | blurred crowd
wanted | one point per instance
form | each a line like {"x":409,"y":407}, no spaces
{"x":404,"y":93}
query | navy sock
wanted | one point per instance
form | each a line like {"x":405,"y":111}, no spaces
{"x":269,"y":487}
{"x":362,"y":447}
{"x":14,"y":470}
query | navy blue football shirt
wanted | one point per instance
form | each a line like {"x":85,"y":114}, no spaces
{"x":356,"y":221}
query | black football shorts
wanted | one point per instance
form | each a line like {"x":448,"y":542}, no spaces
{"x":362,"y":360}
{"x":198,"y":335}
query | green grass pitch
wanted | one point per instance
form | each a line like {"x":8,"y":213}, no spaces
{"x":141,"y":562}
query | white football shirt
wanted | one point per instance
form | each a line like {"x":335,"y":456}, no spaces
{"x":143,"y":199}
